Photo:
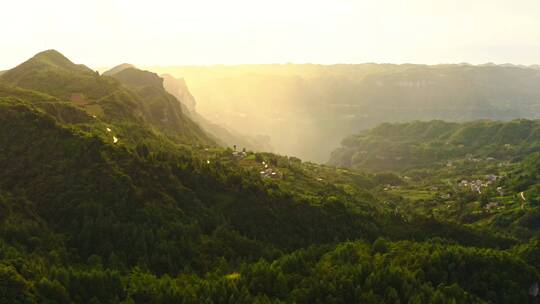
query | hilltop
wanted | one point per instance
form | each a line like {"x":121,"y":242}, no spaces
{"x":135,"y":97}
{"x":52,"y":73}
{"x":118,"y":68}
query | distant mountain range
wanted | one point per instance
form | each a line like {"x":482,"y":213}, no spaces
{"x":434,"y":144}
{"x":308,"y":109}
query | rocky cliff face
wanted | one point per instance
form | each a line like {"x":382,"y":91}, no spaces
{"x":178,"y":88}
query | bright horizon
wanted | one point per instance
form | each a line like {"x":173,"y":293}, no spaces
{"x":164,"y":33}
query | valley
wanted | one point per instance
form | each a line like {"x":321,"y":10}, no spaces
{"x":116,"y":190}
{"x":307,"y":109}
{"x":270,"y":152}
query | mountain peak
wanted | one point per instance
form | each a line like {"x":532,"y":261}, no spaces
{"x":119,"y":68}
{"x":50,"y":53}
{"x":49,"y":59}
{"x":133,"y":77}
{"x":56,"y":59}
{"x":52,"y":73}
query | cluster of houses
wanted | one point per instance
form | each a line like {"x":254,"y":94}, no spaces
{"x":239,"y":154}
{"x":503,"y":164}
{"x":478,"y":185}
{"x":268,"y":172}
{"x":389,"y":187}
{"x":469,"y":157}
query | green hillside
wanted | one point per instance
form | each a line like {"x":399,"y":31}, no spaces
{"x":401,"y":146}
{"x":138,"y":98}
{"x":480,"y":173}
{"x":51,"y":72}
{"x":78,"y":210}
{"x":120,"y":208}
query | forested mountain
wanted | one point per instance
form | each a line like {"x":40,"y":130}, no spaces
{"x":158,"y":92}
{"x":308,"y":109}
{"x":425,"y":144}
{"x":105,"y":97}
{"x":118,"y":68}
{"x":51,"y":72}
{"x":480,"y":173}
{"x":86,"y":212}
{"x":135,"y":209}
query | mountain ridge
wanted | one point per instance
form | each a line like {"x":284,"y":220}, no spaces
{"x":417,"y":144}
{"x":118,"y":68}
{"x":134,"y":96}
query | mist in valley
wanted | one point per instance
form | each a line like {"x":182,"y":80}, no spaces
{"x":240,"y":151}
{"x":306,"y":110}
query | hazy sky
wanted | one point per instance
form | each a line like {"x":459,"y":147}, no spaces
{"x":177,"y":32}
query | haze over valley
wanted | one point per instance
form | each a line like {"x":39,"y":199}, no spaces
{"x":307,"y":109}
{"x":270,"y":152}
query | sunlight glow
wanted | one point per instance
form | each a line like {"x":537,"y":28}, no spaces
{"x":167,"y":32}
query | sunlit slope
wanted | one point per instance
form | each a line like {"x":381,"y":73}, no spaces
{"x":428,"y":144}
{"x":50,"y":72}
{"x":244,"y":140}
{"x":141,"y":99}
{"x":117,"y":69}
{"x":162,"y":109}
{"x":308,"y":109}
{"x":480,"y":173}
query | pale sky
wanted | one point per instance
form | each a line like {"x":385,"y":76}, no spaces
{"x":102,"y":33}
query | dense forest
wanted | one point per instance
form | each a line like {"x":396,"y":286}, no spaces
{"x":424,"y":144}
{"x":481,"y":174}
{"x":111,"y":193}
